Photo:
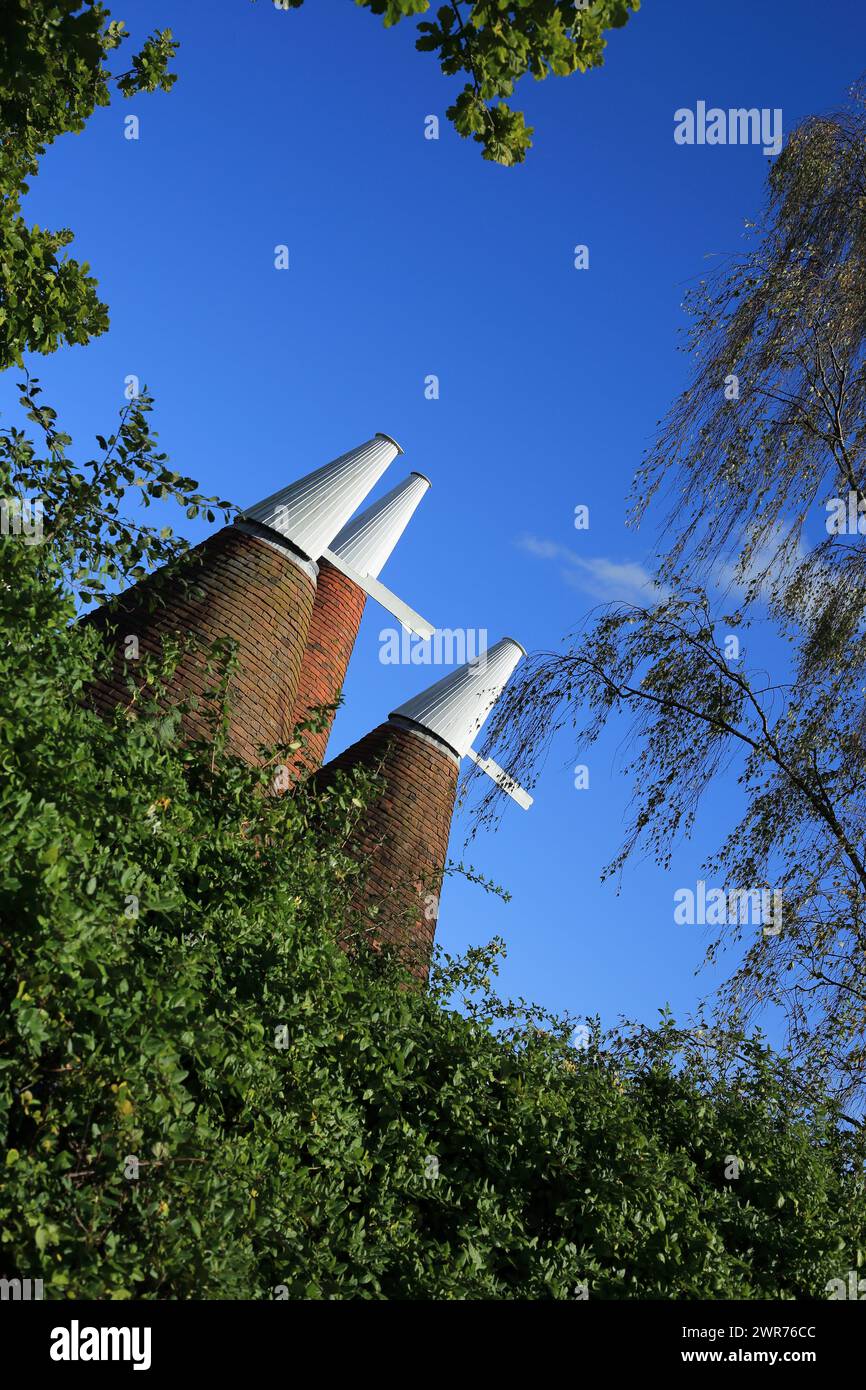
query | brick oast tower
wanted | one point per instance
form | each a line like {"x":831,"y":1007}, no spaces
{"x":364,"y":544}
{"x":255,"y":582}
{"x":403,"y":836}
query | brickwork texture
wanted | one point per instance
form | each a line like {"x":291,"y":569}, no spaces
{"x":403,"y":837}
{"x":334,"y":625}
{"x":249,"y":591}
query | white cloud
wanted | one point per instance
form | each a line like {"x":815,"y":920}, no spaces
{"x":613,"y":581}
{"x":770,"y":562}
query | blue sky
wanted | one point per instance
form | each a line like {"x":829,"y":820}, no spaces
{"x":411,"y":257}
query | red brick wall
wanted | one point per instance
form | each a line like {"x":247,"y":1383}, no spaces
{"x":251,"y":591}
{"x":334,"y":626}
{"x":404,"y":835}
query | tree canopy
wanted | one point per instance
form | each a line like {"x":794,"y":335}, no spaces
{"x":493,"y":43}
{"x":763,"y":460}
{"x":56,"y":69}
{"x":202,"y":1095}
{"x":54,"y":72}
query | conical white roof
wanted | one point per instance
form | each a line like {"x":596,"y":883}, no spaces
{"x":367,"y":541}
{"x":456,"y":707}
{"x":311,"y":511}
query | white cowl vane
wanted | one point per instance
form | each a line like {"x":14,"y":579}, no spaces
{"x":367,"y":541}
{"x":456,"y":707}
{"x":311,"y":511}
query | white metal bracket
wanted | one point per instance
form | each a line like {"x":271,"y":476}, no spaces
{"x":502,"y":779}
{"x":406,"y":615}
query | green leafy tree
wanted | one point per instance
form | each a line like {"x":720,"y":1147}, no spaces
{"x":211,"y":1086}
{"x":493,"y":43}
{"x":97,"y":537}
{"x":204,"y":1095}
{"x":764,"y":449}
{"x":53,"y":74}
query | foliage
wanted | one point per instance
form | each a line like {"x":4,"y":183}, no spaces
{"x":53,"y":74}
{"x":496,"y":42}
{"x":93,"y":536}
{"x":785,"y":321}
{"x":760,"y":451}
{"x":305,"y":1124}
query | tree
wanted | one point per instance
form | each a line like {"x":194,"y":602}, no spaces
{"x":767,"y":441}
{"x":96,"y":540}
{"x":53,"y":74}
{"x":496,"y":42}
{"x":202,"y":1095}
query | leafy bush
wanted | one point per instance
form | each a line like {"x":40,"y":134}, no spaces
{"x":203,"y":1096}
